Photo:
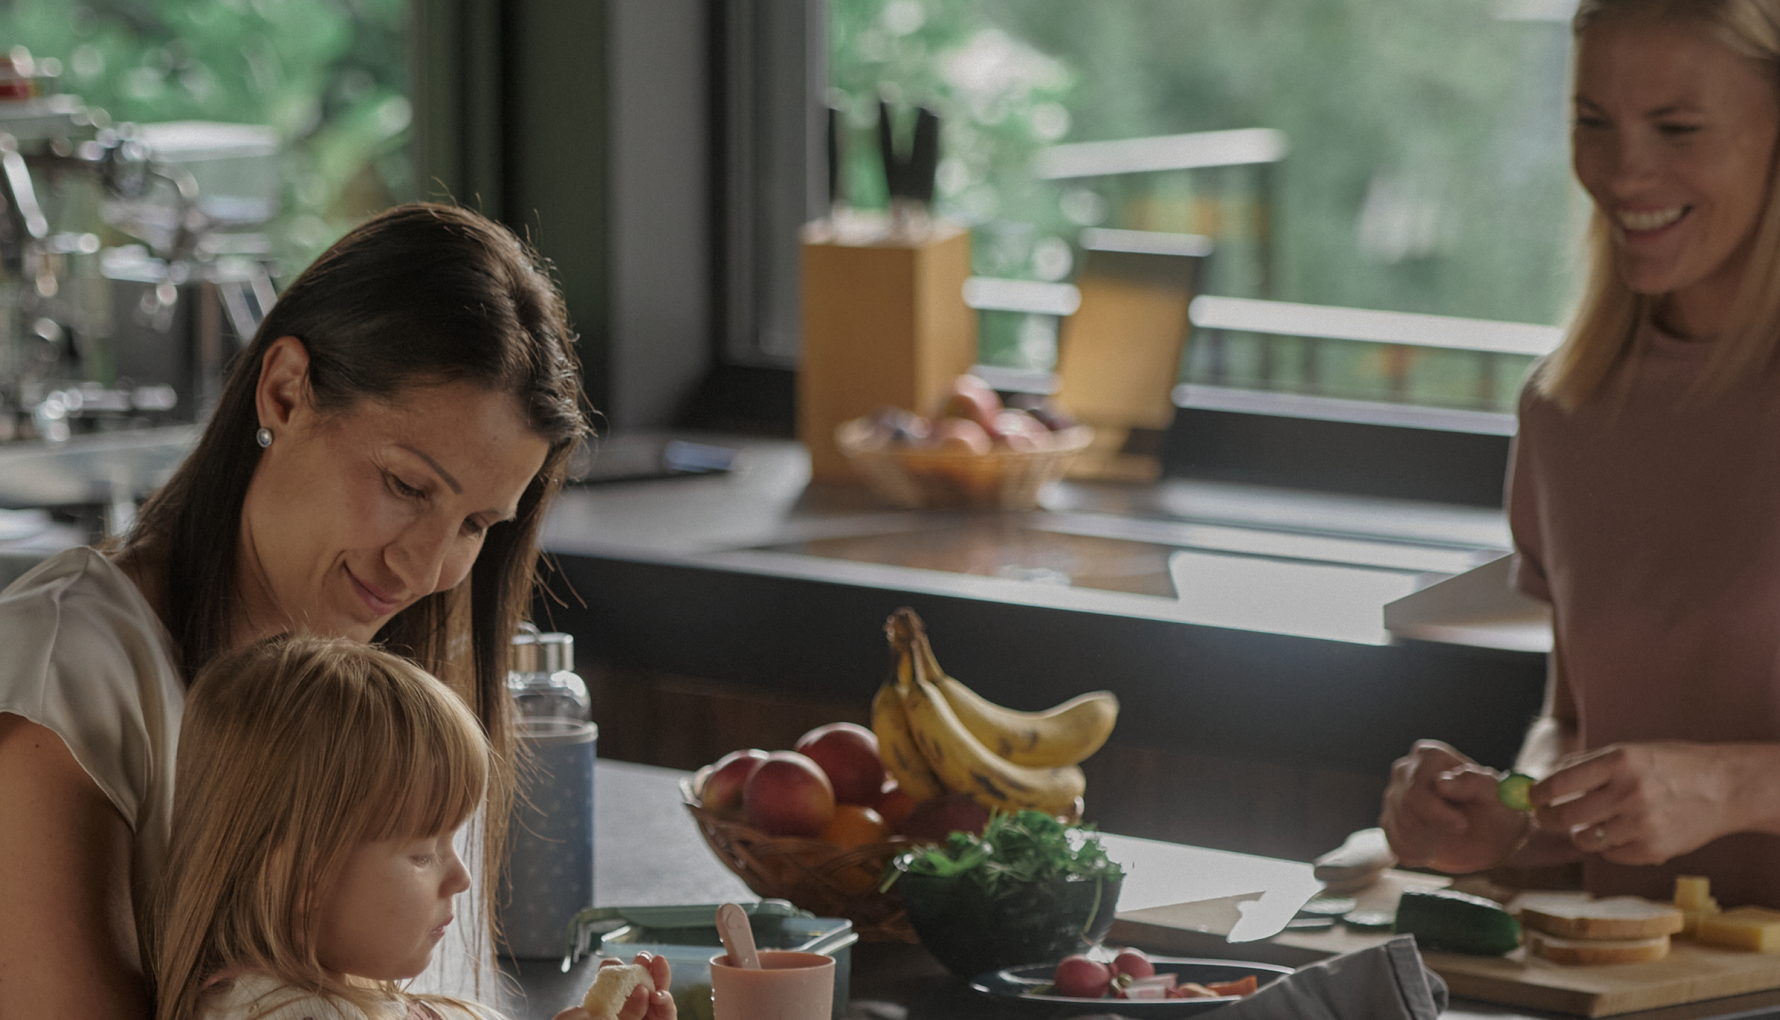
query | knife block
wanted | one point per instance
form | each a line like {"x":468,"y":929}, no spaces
{"x":884,"y":323}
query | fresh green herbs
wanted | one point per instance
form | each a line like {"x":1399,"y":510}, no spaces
{"x":1029,"y":888}
{"x":1015,"y":852}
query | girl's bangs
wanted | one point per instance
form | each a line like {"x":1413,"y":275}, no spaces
{"x":435,"y":777}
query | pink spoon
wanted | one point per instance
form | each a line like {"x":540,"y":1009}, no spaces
{"x":738,"y":936}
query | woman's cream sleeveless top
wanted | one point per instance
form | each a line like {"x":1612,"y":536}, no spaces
{"x":83,"y":654}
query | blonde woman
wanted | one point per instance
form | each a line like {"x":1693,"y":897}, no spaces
{"x":321,"y":783}
{"x":1645,"y":491}
{"x":378,"y":467}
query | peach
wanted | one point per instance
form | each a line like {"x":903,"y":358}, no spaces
{"x":788,"y":795}
{"x":960,"y":435}
{"x":1021,"y":431}
{"x":848,"y":755}
{"x":970,"y":397}
{"x":723,"y":787}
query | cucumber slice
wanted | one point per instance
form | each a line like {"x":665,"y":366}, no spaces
{"x":1329,"y":906}
{"x":1512,"y":791}
{"x":1457,"y":923}
{"x":1369,"y":920}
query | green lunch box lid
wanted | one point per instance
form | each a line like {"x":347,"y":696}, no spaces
{"x":680,"y":931}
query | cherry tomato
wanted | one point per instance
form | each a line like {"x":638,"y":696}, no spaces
{"x":1081,"y":978}
{"x":1134,"y":963}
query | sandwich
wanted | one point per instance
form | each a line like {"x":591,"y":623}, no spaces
{"x":1573,"y":929}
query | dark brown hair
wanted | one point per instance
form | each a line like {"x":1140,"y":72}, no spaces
{"x":421,"y":294}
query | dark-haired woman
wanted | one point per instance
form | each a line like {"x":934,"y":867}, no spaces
{"x":378,"y":468}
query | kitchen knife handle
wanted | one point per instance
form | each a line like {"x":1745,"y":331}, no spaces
{"x":834,"y":159}
{"x":924,"y":159}
{"x":893,"y":177}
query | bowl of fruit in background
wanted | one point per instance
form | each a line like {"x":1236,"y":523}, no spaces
{"x":819,"y":825}
{"x":975,"y":452}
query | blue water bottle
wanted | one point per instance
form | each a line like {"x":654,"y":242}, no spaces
{"x":550,"y":868}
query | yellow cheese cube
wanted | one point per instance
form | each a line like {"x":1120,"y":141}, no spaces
{"x":1743,"y":928}
{"x":1692,"y":891}
{"x":1690,"y":919}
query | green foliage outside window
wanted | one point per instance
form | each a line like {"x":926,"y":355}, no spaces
{"x":330,"y":75}
{"x":1427,"y":171}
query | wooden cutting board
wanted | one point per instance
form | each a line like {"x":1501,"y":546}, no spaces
{"x":1690,"y":973}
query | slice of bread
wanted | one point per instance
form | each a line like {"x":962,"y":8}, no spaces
{"x":1616,"y":917}
{"x":611,"y":987}
{"x":1596,"y":951}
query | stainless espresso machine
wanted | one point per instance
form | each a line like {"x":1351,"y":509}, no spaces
{"x":133,"y":262}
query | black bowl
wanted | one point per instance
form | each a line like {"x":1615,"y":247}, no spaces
{"x":972,"y":934}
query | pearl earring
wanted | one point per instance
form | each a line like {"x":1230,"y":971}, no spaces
{"x":263,"y":437}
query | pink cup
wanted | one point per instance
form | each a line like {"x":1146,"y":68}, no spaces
{"x":788,"y":986}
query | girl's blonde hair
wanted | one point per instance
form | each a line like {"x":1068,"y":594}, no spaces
{"x":1607,"y":317}
{"x":293,"y":752}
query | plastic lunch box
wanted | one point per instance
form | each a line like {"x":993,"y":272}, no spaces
{"x":687,"y":936}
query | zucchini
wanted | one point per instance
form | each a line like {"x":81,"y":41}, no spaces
{"x":1456,"y":923}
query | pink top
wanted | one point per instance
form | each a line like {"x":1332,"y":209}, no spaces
{"x":1651,"y":523}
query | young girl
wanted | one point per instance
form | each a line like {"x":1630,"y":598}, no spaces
{"x":321,"y":784}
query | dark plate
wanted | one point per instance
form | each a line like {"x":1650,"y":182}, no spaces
{"x":1011,"y":988}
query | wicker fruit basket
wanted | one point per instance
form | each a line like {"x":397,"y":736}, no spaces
{"x":919,"y":478}
{"x":819,"y":877}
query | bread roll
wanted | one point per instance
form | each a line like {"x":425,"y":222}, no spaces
{"x":611,"y":987}
{"x":1616,"y":917}
{"x":1596,"y":951}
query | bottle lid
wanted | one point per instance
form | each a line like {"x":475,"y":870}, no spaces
{"x":535,"y":651}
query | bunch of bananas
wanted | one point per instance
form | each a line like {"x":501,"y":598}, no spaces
{"x":937,"y":736}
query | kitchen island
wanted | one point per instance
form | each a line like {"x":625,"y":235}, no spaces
{"x":1240,"y":626}
{"x":649,"y":853}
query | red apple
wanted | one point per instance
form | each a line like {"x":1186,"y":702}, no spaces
{"x":848,"y":754}
{"x":788,"y":795}
{"x":894,"y":805}
{"x":723,"y":787}
{"x":939,"y":817}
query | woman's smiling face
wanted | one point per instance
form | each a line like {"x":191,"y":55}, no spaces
{"x":1674,"y":140}
{"x":354,"y":515}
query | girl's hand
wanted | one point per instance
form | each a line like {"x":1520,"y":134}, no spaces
{"x":1441,"y":812}
{"x":642,"y":1004}
{"x":1647,"y":803}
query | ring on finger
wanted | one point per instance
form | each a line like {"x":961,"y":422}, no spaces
{"x":1599,"y":835}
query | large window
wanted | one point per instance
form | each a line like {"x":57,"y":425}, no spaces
{"x":1424,"y":164}
{"x":330,"y":77}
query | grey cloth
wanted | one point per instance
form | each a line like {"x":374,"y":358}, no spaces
{"x":1386,"y":982}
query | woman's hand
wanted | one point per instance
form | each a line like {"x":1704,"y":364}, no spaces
{"x":1647,"y":803}
{"x":642,"y":1004}
{"x":1441,"y":812}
